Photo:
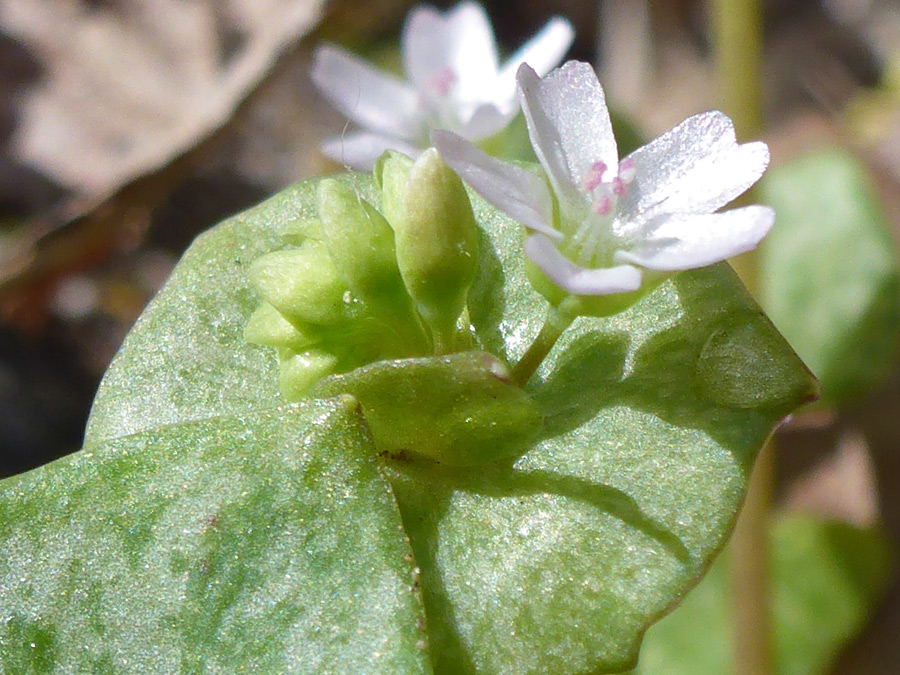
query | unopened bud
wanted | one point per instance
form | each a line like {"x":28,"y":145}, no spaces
{"x":391,"y":176}
{"x":361,"y":245}
{"x":301,"y":283}
{"x":299,"y":372}
{"x":437,"y":242}
{"x":268,"y":327}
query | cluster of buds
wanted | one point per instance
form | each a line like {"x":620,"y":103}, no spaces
{"x":359,"y":284}
{"x":372,"y":302}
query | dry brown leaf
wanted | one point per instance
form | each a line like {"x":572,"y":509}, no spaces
{"x":131,"y":84}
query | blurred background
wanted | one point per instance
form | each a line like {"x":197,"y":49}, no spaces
{"x":127,"y":127}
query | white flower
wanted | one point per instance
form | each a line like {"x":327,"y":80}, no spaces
{"x":654,"y":210}
{"x":455,"y":82}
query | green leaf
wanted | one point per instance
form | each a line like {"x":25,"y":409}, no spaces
{"x":826,"y":578}
{"x":829,"y":273}
{"x":267,"y":543}
{"x":556,"y":560}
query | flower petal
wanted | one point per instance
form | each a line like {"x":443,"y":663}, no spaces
{"x":569,"y":126}
{"x":543,"y":52}
{"x":370,"y":97}
{"x":681,"y":242}
{"x":697,"y":167}
{"x":360,"y":150}
{"x":458,"y":44}
{"x":578,"y":280}
{"x":515,"y":191}
{"x":486,"y":120}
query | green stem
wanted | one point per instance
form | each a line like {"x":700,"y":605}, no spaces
{"x":558,"y":319}
{"x":737,"y":48}
{"x":750,"y":582}
{"x":736,"y":27}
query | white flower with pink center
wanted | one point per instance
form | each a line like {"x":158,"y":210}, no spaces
{"x":454,"y":82}
{"x":654,"y":210}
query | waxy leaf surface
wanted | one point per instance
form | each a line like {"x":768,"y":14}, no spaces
{"x":267,"y":543}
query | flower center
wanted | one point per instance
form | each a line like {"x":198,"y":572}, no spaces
{"x":437,"y":105}
{"x":442,"y":82}
{"x":594,"y":234}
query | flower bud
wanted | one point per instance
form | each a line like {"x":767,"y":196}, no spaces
{"x":267,"y":327}
{"x":436,"y":240}
{"x":391,"y":176}
{"x":301,"y":283}
{"x":300,"y":371}
{"x":361,"y":245}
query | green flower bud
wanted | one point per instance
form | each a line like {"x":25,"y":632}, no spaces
{"x":437,"y":242}
{"x":267,"y":327}
{"x":459,"y":410}
{"x":300,"y":371}
{"x":361,"y":245}
{"x":391,"y":176}
{"x":301,"y":283}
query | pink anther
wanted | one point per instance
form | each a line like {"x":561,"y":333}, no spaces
{"x":595,"y":177}
{"x":591,"y":181}
{"x":627,"y":170}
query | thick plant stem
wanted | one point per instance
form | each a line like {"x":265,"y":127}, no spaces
{"x":750,"y":582}
{"x":558,"y":319}
{"x":736,"y":27}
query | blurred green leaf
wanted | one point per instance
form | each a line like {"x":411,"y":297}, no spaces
{"x":829,"y":272}
{"x":264,"y":543}
{"x":826,"y":578}
{"x":553,"y":561}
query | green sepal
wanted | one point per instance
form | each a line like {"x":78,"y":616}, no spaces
{"x":458,"y":410}
{"x":588,"y":305}
{"x":391,"y":176}
{"x":301,"y":283}
{"x":300,"y":371}
{"x":267,"y":327}
{"x":361,"y":245}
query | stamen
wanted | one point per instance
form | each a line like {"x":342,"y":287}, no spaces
{"x":591,"y":181}
{"x":603,"y":206}
{"x":627,"y":170}
{"x":618,"y":186}
{"x":595,"y":177}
